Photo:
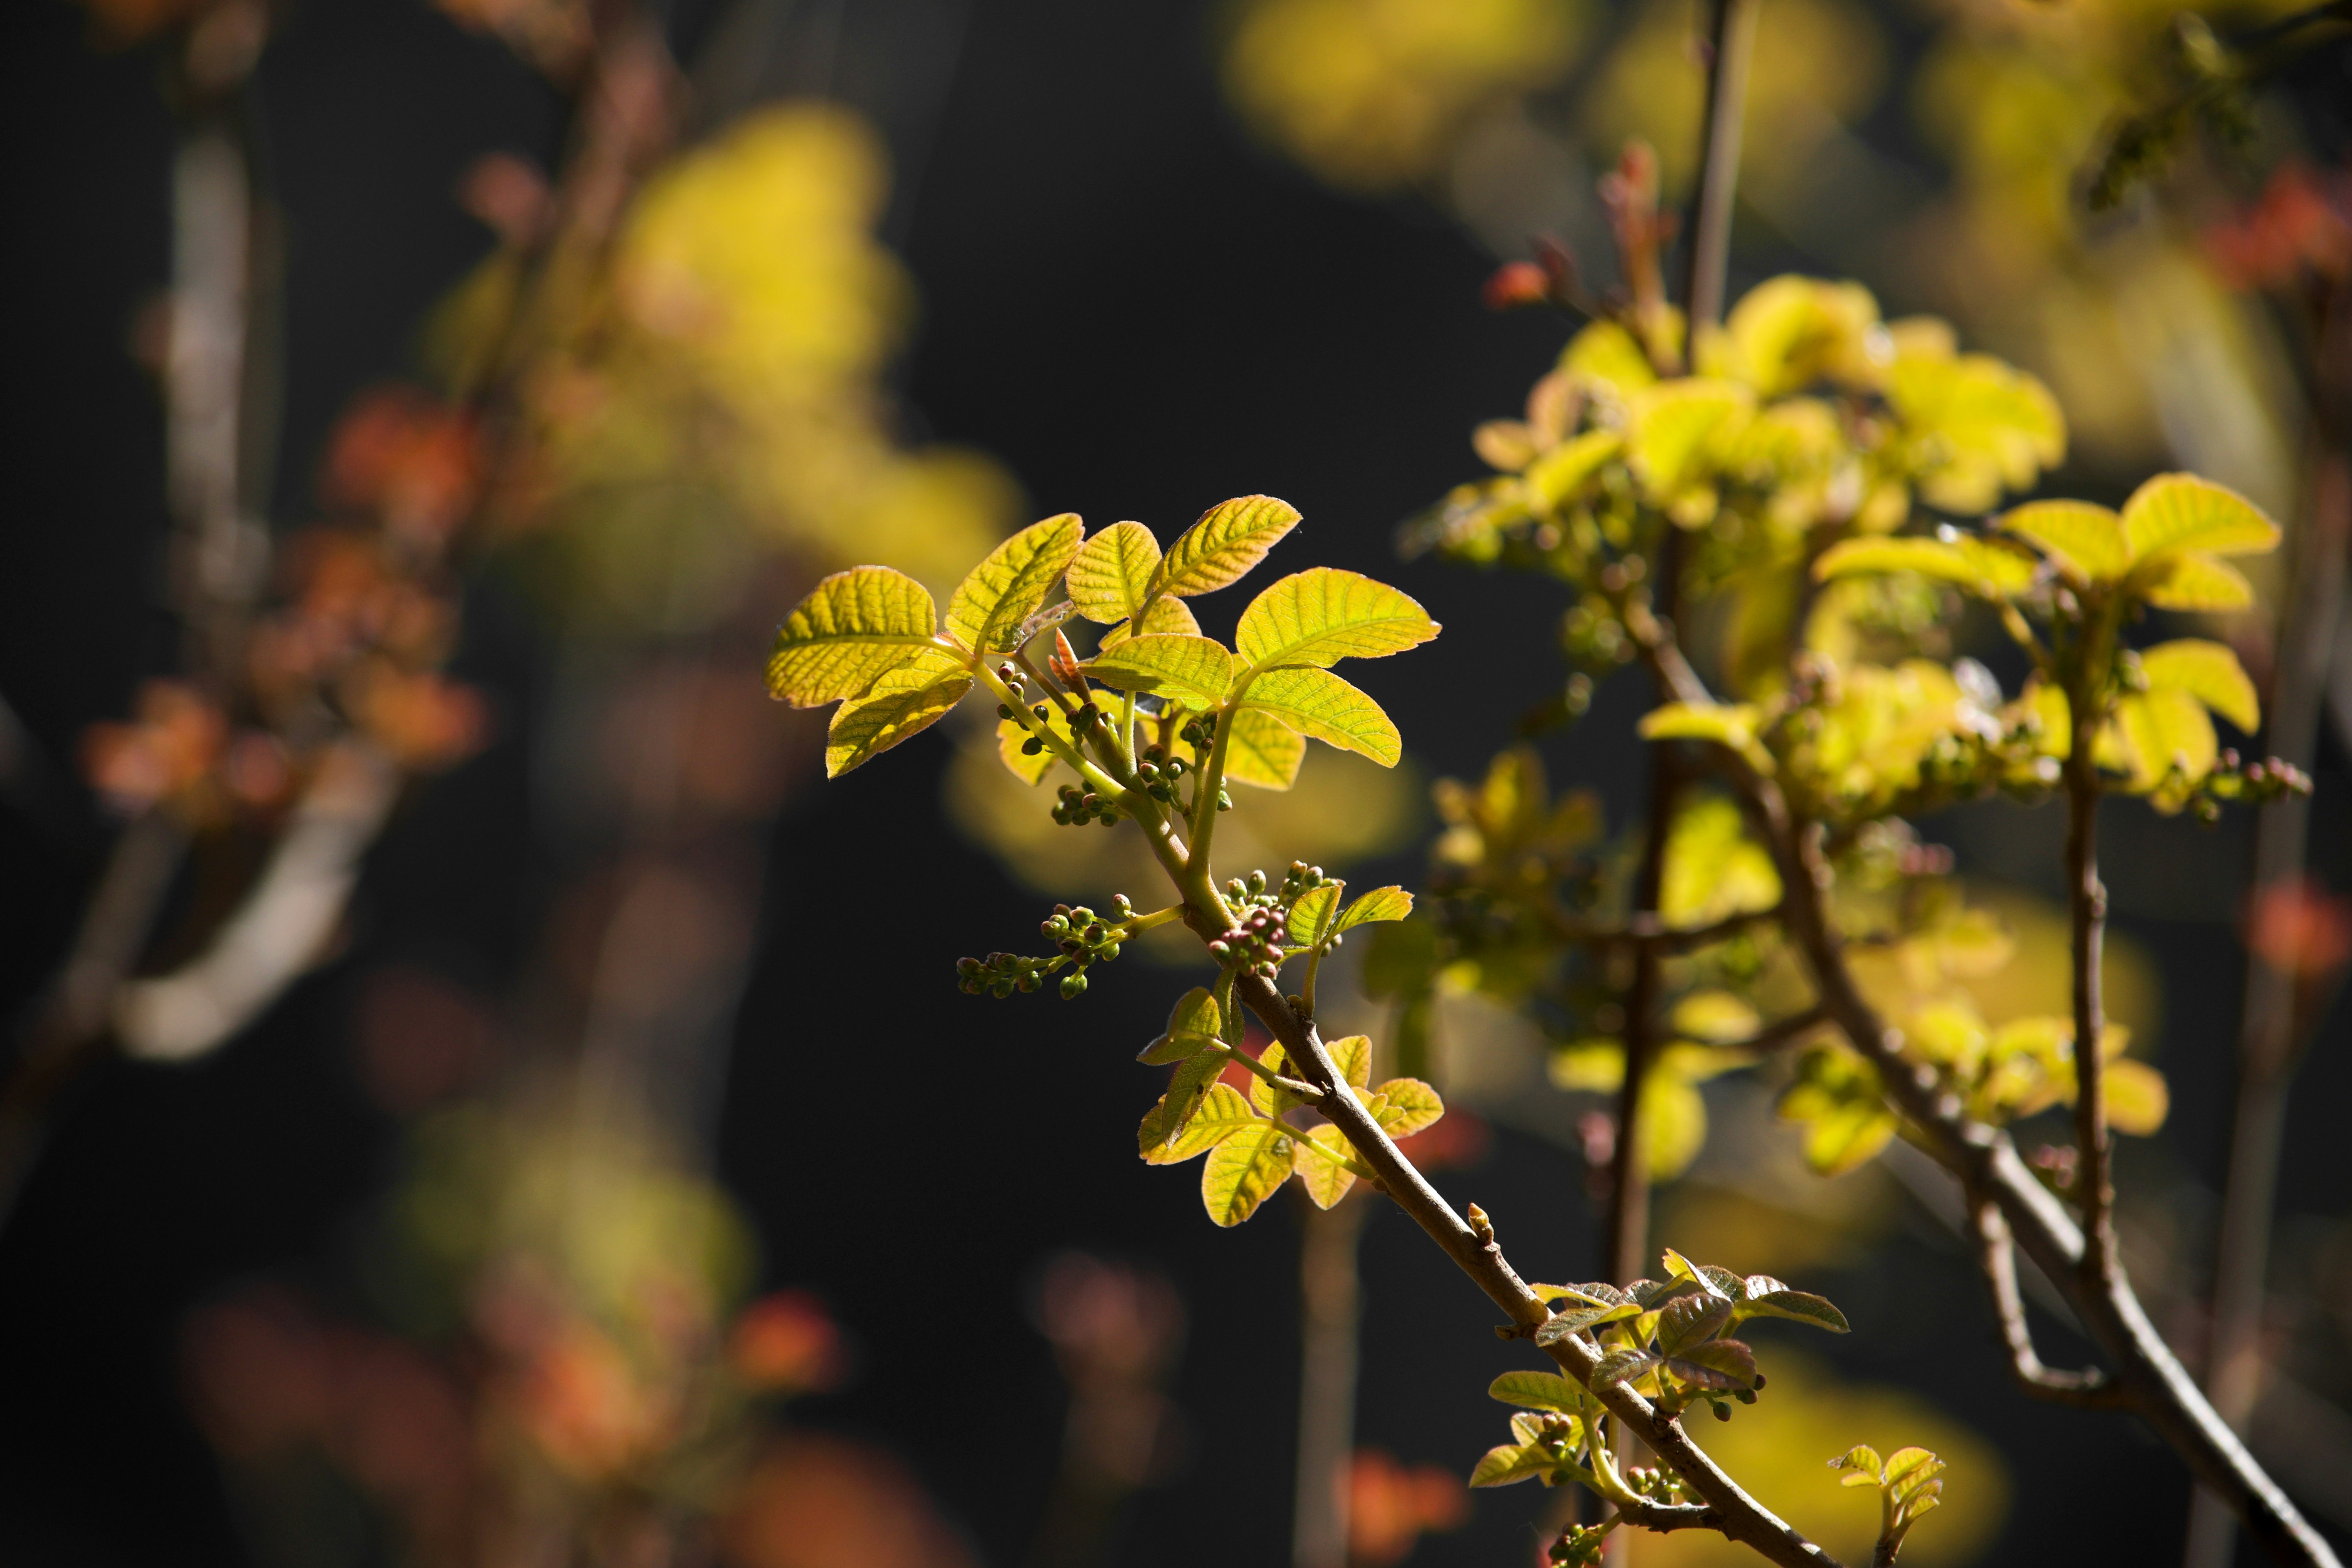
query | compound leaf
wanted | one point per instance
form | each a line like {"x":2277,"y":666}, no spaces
{"x":852,"y":628}
{"x":902,"y":703}
{"x":1263,"y":750}
{"x":1389,"y":903}
{"x":988,"y":606}
{"x":1110,"y":576}
{"x":1323,"y":614}
{"x":1225,"y":542}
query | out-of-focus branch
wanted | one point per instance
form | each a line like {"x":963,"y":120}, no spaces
{"x":1731,"y":47}
{"x":1331,"y":1310}
{"x":1997,"y":1260}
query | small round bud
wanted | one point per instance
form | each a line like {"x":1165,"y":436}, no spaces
{"x":1073,"y":987}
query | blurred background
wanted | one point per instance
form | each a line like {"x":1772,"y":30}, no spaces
{"x":477,"y":1096}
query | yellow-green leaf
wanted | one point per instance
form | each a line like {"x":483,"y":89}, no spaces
{"x":1537,"y":1391}
{"x":1596,"y":1066}
{"x":1353,"y":1058}
{"x":902,"y":703}
{"x":2210,"y":672}
{"x":1195,"y":670}
{"x":1318,"y":704}
{"x":1267,"y":1100}
{"x":2192,"y":580}
{"x":853,"y":628}
{"x":1389,"y":903}
{"x":1606,"y":353}
{"x":2087,"y":541}
{"x":1312,"y":915}
{"x":1228,"y":539}
{"x":1728,"y":724}
{"x":1323,"y":614}
{"x":1219,"y":1113}
{"x":1714,"y":869}
{"x":1673,"y":427}
{"x":1163,"y":616}
{"x":1718,"y":1017}
{"x":2137,"y":1098}
{"x":1194,"y":1024}
{"x":1508,"y":1463}
{"x":1556,"y":476}
{"x":2181,"y":511}
{"x":1245,"y":1170}
{"x":1323,"y":1170}
{"x":2162,"y":727}
{"x":1110,"y":576}
{"x":1404,"y":1106}
{"x":1670,"y":1128}
{"x":1263,"y":751}
{"x":1982,"y":567}
{"x":989,"y":606}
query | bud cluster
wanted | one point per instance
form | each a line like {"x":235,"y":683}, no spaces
{"x":1032,"y":746}
{"x":1159,"y":774}
{"x":1261,"y":923}
{"x":1580,"y":1545}
{"x":2253,"y":784}
{"x":1078,"y":808}
{"x":1657,"y":1484}
{"x":1085,"y":938}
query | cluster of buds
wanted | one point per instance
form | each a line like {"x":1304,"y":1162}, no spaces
{"x":1200,"y":730}
{"x":2255,"y":783}
{"x":1261,"y":924}
{"x":1078,"y":808}
{"x":1085,"y":938}
{"x":1657,"y":1484}
{"x":1033,"y":746}
{"x":2053,"y":1166}
{"x":1580,"y":1545}
{"x":1159,"y":774}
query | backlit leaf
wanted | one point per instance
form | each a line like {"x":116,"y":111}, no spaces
{"x":1267,"y":1100}
{"x":1317,"y":703}
{"x":853,"y":628}
{"x":902,"y":703}
{"x":1263,"y":751}
{"x":2192,"y":580}
{"x":1622,"y":1366}
{"x":1596,"y":1066}
{"x":1110,"y":576}
{"x":1862,"y":1463}
{"x":1692,"y":1319}
{"x":1217,"y":1112}
{"x":1777,"y":1301}
{"x":1245,"y":1170}
{"x":2163,"y":727}
{"x":1718,"y":1017}
{"x":1537,"y":1391}
{"x":2210,"y":672}
{"x":2181,"y":511}
{"x":1312,"y":915}
{"x":1380,"y":904}
{"x":1011,"y":736}
{"x":1556,"y":476}
{"x":1323,"y":614}
{"x":1720,"y":1364}
{"x":1672,"y":428}
{"x":1164,"y":616}
{"x":988,"y":606}
{"x":1507,"y":1463}
{"x":2137,"y":1099}
{"x":1407,"y":1106}
{"x":1353,"y":1058}
{"x":1228,"y":539}
{"x":1194,"y":1024}
{"x":1978,"y":565}
{"x":1714,"y":869}
{"x":1322,"y":1166}
{"x":1606,"y":353}
{"x":1731,"y":725}
{"x":2087,"y":541}
{"x":1195,"y":670}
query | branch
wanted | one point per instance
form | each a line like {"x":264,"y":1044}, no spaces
{"x":1731,"y":47}
{"x":2089,"y":1390}
{"x":1727,"y":1509}
{"x":2087,"y":904}
{"x":1647,"y":928}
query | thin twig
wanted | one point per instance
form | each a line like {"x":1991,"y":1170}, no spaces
{"x":2086,"y":899}
{"x":1997,"y":1260}
{"x":1730,"y":47}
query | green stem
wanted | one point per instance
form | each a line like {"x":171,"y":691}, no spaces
{"x":1208,"y":785}
{"x":1102,"y":781}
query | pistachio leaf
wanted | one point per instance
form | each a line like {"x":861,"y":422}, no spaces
{"x":989,"y":606}
{"x":1245,"y":1169}
{"x":2210,"y":672}
{"x":1110,"y":576}
{"x":1322,"y":1166}
{"x":851,"y":628}
{"x":1227,"y":540}
{"x":902,"y":703}
{"x":1323,"y":614}
{"x":1537,"y":1391}
{"x":2181,"y":511}
{"x":1319,"y":704}
{"x":1195,"y":670}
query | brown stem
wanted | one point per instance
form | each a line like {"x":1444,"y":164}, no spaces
{"x":2086,"y":899}
{"x":1732,"y":40}
{"x":1986,"y":1163}
{"x":1725,"y":1507}
{"x":1997,"y":1260}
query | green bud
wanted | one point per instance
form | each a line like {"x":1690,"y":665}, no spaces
{"x":1073,"y":987}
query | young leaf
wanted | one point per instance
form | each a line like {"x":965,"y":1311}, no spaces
{"x":1323,"y":614}
{"x":1318,"y":704}
{"x":1556,"y":476}
{"x":1228,"y":539}
{"x":1537,"y":1391}
{"x":1312,"y":915}
{"x":1196,"y":670}
{"x":1507,"y":1463}
{"x":1110,"y":576}
{"x":2087,"y":541}
{"x":1674,"y":425}
{"x":1245,"y":1169}
{"x":1263,"y":750}
{"x":1731,"y":725}
{"x":2192,"y":580}
{"x":1353,"y":1058}
{"x":1622,"y":1366}
{"x":2180,"y":511}
{"x":1692,"y":1319}
{"x":2163,"y":728}
{"x":2138,"y":1097}
{"x":1719,"y":1364}
{"x":1768,"y":1297}
{"x":1194,"y":1024}
{"x":1268,"y":1100}
{"x":2210,"y":672}
{"x":901,"y":704}
{"x":1323,"y":1171}
{"x":1389,"y":903}
{"x":852,"y":628}
{"x":1861,"y":1462}
{"x":1407,"y":1106}
{"x":1194,"y":1116}
{"x":988,"y":606}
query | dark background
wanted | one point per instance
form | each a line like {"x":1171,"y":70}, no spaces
{"x":1138,"y":313}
